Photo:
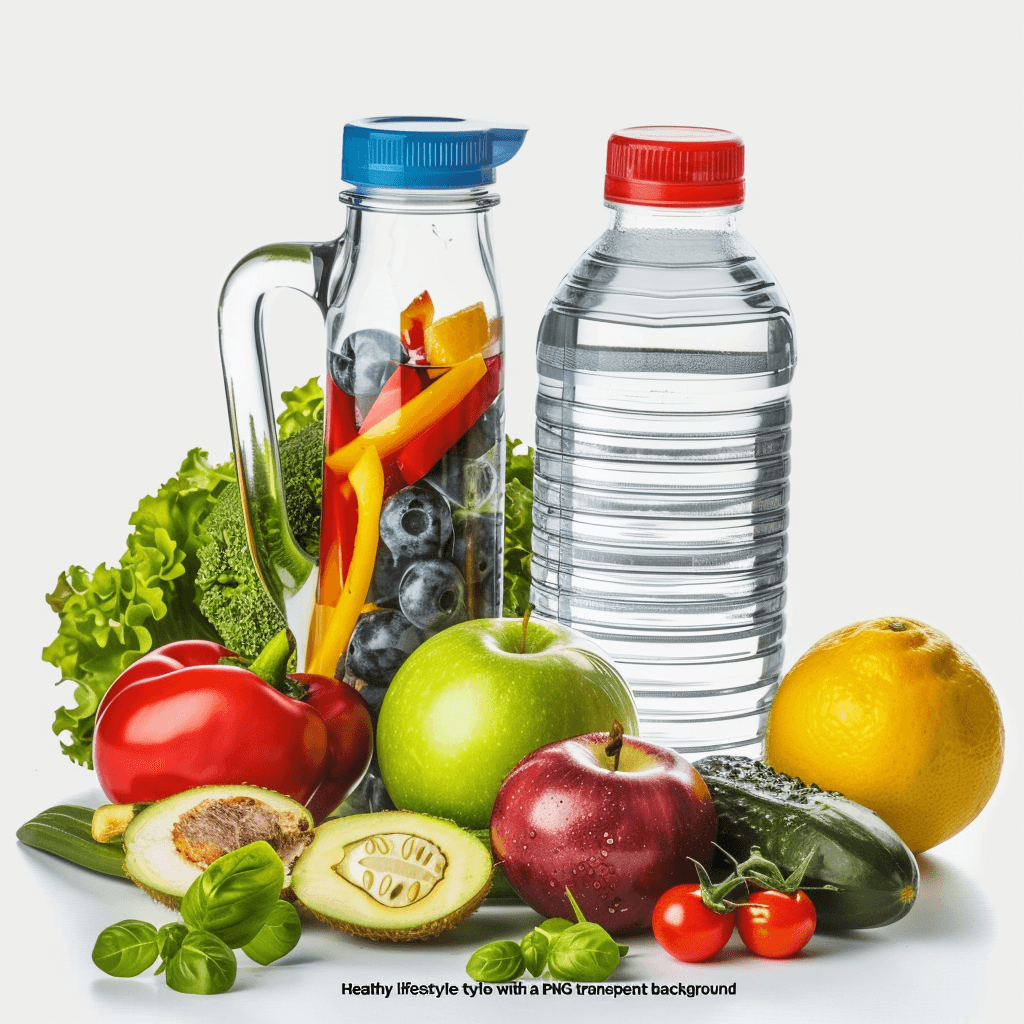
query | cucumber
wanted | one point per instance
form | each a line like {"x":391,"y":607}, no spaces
{"x":851,"y":847}
{"x":66,"y":831}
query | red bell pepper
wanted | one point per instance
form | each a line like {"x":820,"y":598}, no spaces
{"x":422,"y":453}
{"x":177,"y":718}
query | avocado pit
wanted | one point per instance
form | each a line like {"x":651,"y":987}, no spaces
{"x":170,"y":843}
{"x":217,"y":826}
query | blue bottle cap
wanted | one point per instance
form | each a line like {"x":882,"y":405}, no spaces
{"x":425,"y":152}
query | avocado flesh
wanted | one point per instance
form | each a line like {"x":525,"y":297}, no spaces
{"x":392,"y":876}
{"x":170,"y":843}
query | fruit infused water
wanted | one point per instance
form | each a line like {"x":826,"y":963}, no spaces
{"x":411,"y":523}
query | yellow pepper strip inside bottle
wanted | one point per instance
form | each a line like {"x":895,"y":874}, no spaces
{"x":367,"y":480}
{"x":394,"y":432}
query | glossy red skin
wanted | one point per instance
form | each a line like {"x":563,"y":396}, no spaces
{"x":175,"y":720}
{"x":688,"y":929}
{"x":618,"y":840}
{"x":776,"y":924}
{"x":350,"y":733}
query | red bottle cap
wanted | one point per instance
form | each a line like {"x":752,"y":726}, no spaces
{"x":659,"y":165}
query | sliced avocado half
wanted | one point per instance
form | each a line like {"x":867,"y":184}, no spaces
{"x":393,"y":876}
{"x":171,"y":842}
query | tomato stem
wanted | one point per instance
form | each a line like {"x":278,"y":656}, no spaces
{"x":757,"y":869}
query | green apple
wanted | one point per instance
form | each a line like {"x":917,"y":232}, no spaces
{"x":472,"y":701}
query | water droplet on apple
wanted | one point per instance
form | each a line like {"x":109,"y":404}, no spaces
{"x":610,"y":841}
{"x":604,"y":853}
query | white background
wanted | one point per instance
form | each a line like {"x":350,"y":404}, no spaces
{"x":146,"y":148}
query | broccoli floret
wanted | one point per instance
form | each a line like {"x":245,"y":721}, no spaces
{"x":230,"y":592}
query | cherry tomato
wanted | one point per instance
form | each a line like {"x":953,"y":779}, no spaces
{"x":776,"y":924}
{"x":688,"y":929}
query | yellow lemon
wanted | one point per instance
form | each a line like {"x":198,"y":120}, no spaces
{"x":892,"y":714}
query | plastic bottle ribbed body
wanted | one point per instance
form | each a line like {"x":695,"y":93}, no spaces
{"x":662,"y":470}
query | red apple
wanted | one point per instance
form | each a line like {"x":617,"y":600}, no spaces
{"x":617,"y":837}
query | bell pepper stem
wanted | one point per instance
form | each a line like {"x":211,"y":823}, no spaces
{"x":272,"y":662}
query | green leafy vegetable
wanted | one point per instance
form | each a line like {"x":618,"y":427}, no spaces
{"x":234,"y":896}
{"x":496,"y":962}
{"x":278,"y":937}
{"x":535,"y":945}
{"x":302,"y":406}
{"x":126,"y":949}
{"x":204,"y":965}
{"x":535,"y":952}
{"x":111,"y":616}
{"x":169,"y":939}
{"x":518,"y":528}
{"x":233,"y":903}
{"x":584,"y":951}
{"x":552,"y":926}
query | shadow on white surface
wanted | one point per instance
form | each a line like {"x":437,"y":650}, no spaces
{"x":951,"y":906}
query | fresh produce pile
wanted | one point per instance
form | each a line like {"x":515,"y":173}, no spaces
{"x":187,"y":573}
{"x":508,"y":745}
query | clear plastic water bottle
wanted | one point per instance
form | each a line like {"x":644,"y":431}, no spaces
{"x":663,"y":435}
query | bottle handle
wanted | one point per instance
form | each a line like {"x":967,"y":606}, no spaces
{"x":285,"y":568}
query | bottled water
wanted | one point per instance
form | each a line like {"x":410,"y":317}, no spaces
{"x":662,"y":449}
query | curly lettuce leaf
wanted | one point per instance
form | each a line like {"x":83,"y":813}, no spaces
{"x":110,"y":617}
{"x":302,"y":405}
{"x":518,"y":528}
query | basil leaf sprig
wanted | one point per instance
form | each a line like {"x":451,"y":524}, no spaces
{"x":169,"y":940}
{"x":535,"y":945}
{"x":234,"y":904}
{"x":126,"y":949}
{"x":534,"y":949}
{"x":204,"y":965}
{"x":278,"y":937}
{"x":582,"y":952}
{"x":234,"y":896}
{"x":496,"y":962}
